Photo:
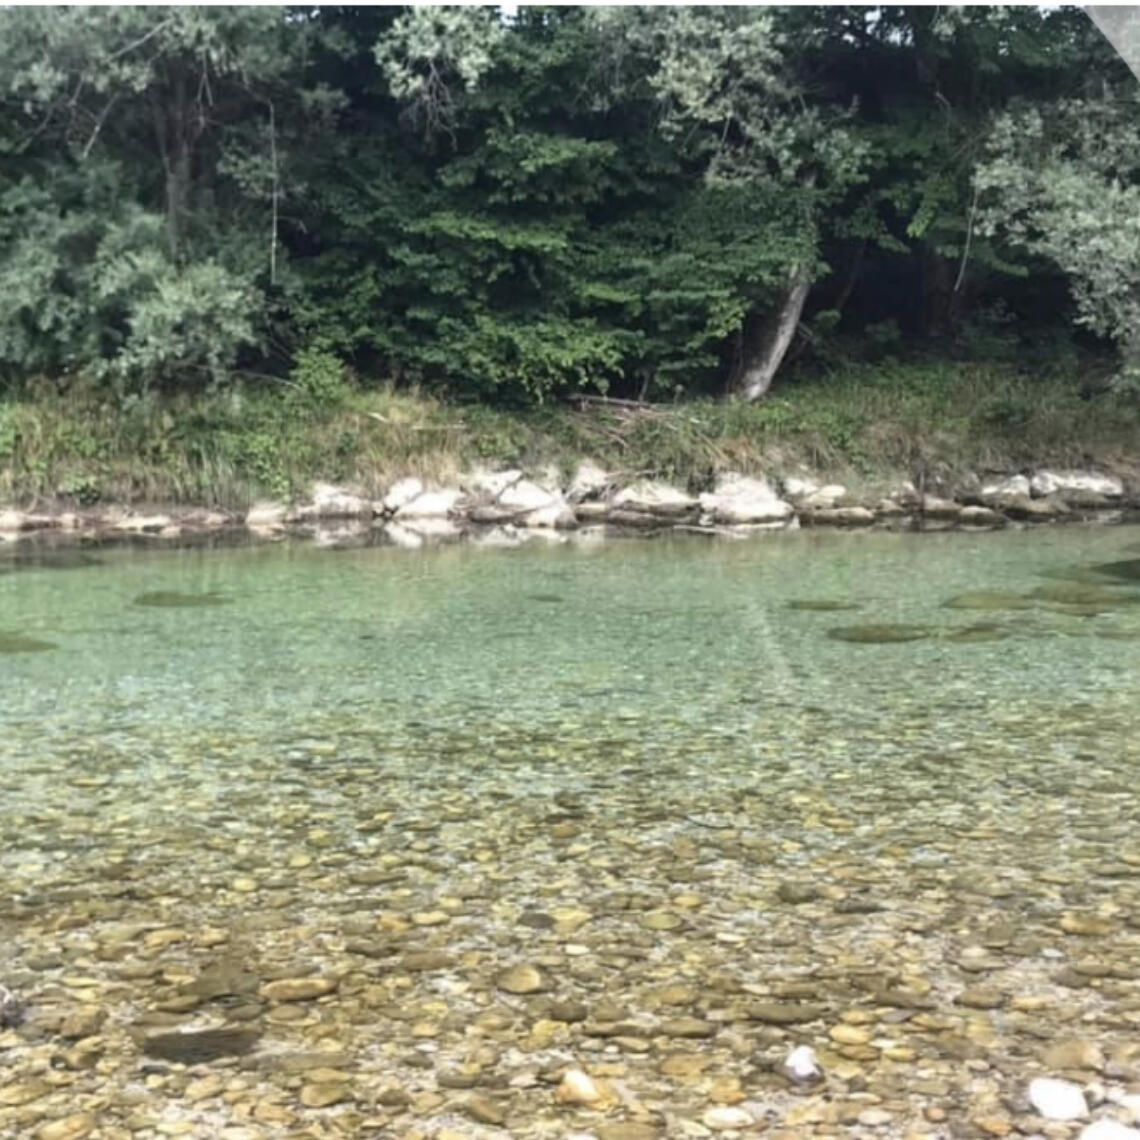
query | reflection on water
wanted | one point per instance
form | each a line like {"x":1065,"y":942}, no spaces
{"x":399,"y":835}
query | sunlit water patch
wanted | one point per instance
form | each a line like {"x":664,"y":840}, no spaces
{"x":395,"y":837}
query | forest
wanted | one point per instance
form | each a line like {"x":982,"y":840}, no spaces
{"x":512,"y":207}
{"x":638,"y":200}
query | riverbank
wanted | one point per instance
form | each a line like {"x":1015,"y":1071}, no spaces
{"x":975,"y":445}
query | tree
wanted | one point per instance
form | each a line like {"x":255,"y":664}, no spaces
{"x":728,"y":94}
{"x":1063,"y":183}
{"x":142,"y":192}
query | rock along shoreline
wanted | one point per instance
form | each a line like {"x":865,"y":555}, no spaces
{"x":505,"y":508}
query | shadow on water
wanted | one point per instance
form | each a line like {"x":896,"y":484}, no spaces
{"x":171,"y":599}
{"x":820,"y":605}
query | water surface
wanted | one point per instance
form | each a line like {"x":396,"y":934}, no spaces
{"x":888,"y":781}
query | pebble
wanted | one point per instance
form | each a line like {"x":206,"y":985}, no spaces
{"x":1075,"y":1054}
{"x":577,"y":1087}
{"x":1109,"y":1130}
{"x":297,"y":989}
{"x":522,"y":980}
{"x":485,"y":1111}
{"x":73,"y":1127}
{"x":1057,"y":1100}
{"x":727,"y":1119}
{"x":802,"y":1067}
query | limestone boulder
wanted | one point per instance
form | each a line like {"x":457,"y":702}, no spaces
{"x":824,"y":498}
{"x":655,"y":498}
{"x":489,"y":485}
{"x":1075,"y":484}
{"x":328,"y":501}
{"x":743,"y":500}
{"x":589,"y":482}
{"x":400,"y":494}
{"x":1030,"y":510}
{"x":839,"y":516}
{"x":992,"y":489}
{"x":980,"y":516}
{"x":266,"y":516}
{"x":431,"y":505}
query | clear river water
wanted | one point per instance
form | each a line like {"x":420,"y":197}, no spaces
{"x":313,"y":843}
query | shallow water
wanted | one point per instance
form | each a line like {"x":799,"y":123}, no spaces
{"x":666,"y":774}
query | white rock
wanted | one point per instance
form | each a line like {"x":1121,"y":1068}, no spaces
{"x":401,"y":493}
{"x":330,"y":502}
{"x":654,"y":498}
{"x":11,"y":520}
{"x":1109,"y":1130}
{"x":874,"y":1117}
{"x":524,"y":495}
{"x":577,"y":1087}
{"x":727,"y":1119}
{"x":557,"y":515}
{"x":1057,"y":1100}
{"x":1013,"y":485}
{"x":143,"y":524}
{"x":431,"y":504}
{"x":802,"y":1066}
{"x":589,"y":482}
{"x":739,"y":499}
{"x":263,"y":516}
{"x":824,"y":497}
{"x":1087,"y":482}
{"x":797,"y":487}
{"x":489,"y":484}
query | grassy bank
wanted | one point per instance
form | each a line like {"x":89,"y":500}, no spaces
{"x":227,"y":449}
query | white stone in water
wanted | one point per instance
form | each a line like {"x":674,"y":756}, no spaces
{"x":727,"y":1119}
{"x":1057,"y":1100}
{"x":577,"y":1087}
{"x":1109,"y":1130}
{"x":802,"y":1065}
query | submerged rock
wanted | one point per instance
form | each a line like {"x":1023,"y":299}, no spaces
{"x":802,"y":1067}
{"x":974,"y":634}
{"x":879,"y":634}
{"x":1057,"y":1100}
{"x":200,"y":1046}
{"x":521,"y":980}
{"x":1077,"y":594}
{"x":989,"y":600}
{"x":820,"y":605}
{"x":1128,"y":569}
{"x":1109,"y":1130}
{"x":172,"y":599}
{"x":21,"y":643}
{"x":12,"y":1009}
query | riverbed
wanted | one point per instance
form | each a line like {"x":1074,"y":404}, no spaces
{"x":373,"y":842}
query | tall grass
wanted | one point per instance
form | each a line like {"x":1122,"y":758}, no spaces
{"x":227,"y":449}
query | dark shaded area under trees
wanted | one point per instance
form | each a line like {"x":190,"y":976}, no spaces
{"x":647,"y":202}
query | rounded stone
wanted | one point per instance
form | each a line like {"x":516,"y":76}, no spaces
{"x":521,"y":979}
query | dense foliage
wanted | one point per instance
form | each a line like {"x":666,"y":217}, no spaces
{"x":645,"y":201}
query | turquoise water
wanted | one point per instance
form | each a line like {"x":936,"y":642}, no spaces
{"x":231,"y":740}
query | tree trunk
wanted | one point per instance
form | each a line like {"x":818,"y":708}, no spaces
{"x":938,"y":296}
{"x":176,"y":133}
{"x":767,"y":339}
